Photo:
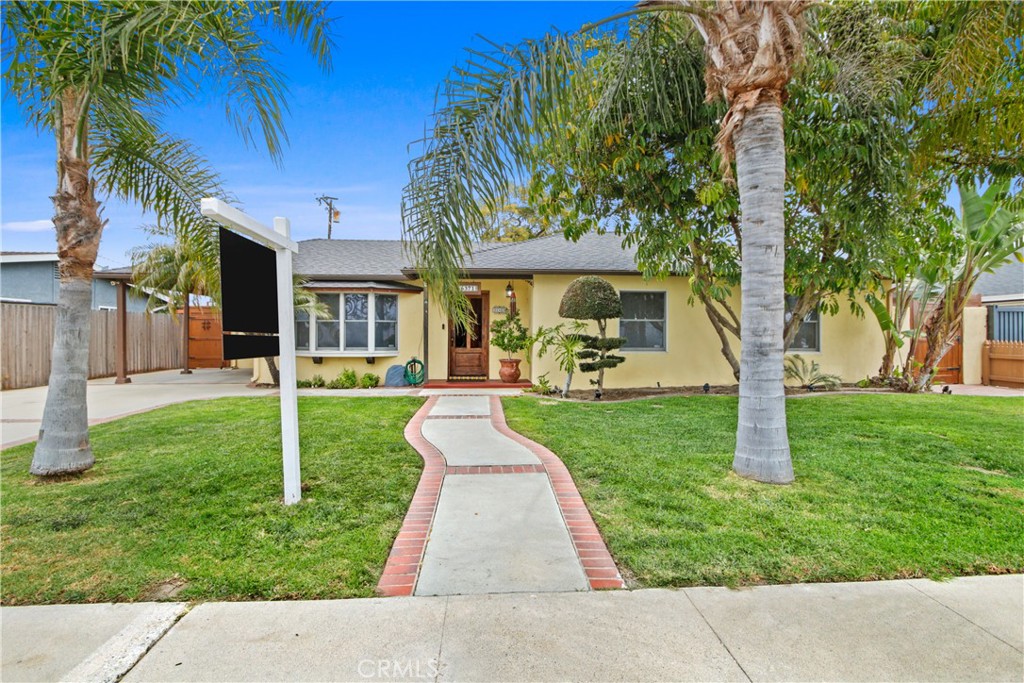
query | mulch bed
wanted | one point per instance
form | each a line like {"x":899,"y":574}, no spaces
{"x":612,"y":395}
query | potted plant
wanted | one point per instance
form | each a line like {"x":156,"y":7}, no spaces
{"x":511,"y":336}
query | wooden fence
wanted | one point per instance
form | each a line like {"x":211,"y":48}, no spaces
{"x":26,"y":341}
{"x":1002,"y":364}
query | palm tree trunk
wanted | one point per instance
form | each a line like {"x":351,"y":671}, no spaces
{"x":762,"y":444}
{"x":63,"y":445}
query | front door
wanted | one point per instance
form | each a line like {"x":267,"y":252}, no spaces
{"x":467,"y":348}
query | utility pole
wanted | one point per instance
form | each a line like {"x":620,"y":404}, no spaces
{"x":332,"y":214}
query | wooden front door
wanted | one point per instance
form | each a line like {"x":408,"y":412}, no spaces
{"x":467,"y":349}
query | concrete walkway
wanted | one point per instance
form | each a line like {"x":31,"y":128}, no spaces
{"x":494,"y":512}
{"x":22,"y":409}
{"x":961,"y":630}
{"x":980,"y":390}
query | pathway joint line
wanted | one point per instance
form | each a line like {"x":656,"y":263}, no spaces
{"x":406,"y":555}
{"x":600,"y":568}
{"x":964,"y":617}
{"x":713,"y":630}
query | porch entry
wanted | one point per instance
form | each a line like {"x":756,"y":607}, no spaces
{"x":468,"y":348}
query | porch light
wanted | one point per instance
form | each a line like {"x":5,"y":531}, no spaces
{"x":509,"y":292}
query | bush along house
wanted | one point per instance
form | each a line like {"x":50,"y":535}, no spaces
{"x":380,"y":315}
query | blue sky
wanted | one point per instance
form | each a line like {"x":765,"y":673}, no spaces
{"x":349,"y":131}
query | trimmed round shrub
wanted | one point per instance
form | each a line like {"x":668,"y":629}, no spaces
{"x":590,"y":298}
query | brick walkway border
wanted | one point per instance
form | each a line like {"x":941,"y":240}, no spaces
{"x":399,"y":577}
{"x":406,"y":557}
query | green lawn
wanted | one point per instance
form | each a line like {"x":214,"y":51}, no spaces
{"x":887,"y":486}
{"x":189,"y":496}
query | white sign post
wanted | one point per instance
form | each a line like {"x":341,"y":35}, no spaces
{"x":280,"y":241}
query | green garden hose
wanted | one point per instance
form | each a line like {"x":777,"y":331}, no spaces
{"x":414,"y":372}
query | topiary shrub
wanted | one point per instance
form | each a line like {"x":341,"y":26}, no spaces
{"x":590,"y":298}
{"x":594,"y":298}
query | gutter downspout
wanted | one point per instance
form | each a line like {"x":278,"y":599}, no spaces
{"x":426,"y":335}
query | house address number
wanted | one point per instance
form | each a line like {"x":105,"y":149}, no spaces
{"x":470,"y":287}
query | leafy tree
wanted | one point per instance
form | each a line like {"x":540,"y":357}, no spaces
{"x":97,"y":77}
{"x":519,"y":220}
{"x":656,"y":183}
{"x":594,"y":298}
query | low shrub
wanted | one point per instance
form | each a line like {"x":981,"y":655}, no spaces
{"x":317,"y":382}
{"x":347,"y":379}
{"x":369,"y":380}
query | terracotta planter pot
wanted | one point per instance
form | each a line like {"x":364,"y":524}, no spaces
{"x":509,"y":371}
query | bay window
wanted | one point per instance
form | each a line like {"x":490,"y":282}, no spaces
{"x":354,"y":323}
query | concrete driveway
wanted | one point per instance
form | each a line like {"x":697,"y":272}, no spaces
{"x":23,"y":408}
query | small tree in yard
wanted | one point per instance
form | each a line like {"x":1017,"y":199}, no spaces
{"x":594,"y":298}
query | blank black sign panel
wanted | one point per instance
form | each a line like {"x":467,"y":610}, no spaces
{"x":248,"y":289}
{"x":250,"y":346}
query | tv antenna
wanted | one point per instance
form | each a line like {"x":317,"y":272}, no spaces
{"x":332,"y":214}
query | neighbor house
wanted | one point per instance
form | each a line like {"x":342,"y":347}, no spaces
{"x":30,"y":277}
{"x":380,"y":315}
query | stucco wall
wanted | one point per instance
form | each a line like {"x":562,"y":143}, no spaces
{"x":975,"y":331}
{"x":851,"y":346}
{"x":33,"y":282}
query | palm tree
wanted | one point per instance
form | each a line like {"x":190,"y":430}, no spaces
{"x":97,"y":77}
{"x":498,"y":106}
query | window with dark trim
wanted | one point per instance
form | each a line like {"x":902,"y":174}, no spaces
{"x":808,"y":337}
{"x":643,"y":321}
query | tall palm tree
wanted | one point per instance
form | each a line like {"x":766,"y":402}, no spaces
{"x":498,"y":106}
{"x":97,"y":76}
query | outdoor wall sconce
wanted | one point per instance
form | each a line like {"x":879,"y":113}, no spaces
{"x":318,"y":360}
{"x":510,"y":293}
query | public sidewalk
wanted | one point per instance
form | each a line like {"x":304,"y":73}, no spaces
{"x":493,"y":513}
{"x":960,"y":630}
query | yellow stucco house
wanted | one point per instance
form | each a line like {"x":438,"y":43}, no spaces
{"x":380,"y":315}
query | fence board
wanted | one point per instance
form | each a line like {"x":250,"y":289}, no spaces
{"x":1002,"y":364}
{"x":26,"y":342}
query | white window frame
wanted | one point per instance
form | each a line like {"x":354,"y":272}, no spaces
{"x":664,"y":320}
{"x":371,"y":322}
{"x":817,"y":328}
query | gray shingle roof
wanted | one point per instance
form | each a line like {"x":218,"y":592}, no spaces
{"x":1008,"y":279}
{"x":350,"y":259}
{"x":384,"y":259}
{"x":593,"y":253}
